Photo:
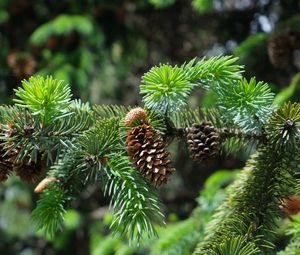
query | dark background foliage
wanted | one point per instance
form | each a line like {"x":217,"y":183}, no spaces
{"x":102,"y":48}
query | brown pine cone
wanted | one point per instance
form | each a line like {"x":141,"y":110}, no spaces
{"x":203,"y":141}
{"x":281,"y":48}
{"x":23,"y":64}
{"x":29,"y":171}
{"x":148,"y":152}
{"x":6,"y":164}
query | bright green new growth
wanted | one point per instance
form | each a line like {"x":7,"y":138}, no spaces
{"x":47,"y":98}
{"x":166,"y":88}
{"x":247,"y":105}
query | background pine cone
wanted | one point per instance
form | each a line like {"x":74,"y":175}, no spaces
{"x":281,"y":49}
{"x":148,"y":151}
{"x":29,"y":171}
{"x":6,"y":164}
{"x":23,"y":64}
{"x":203,"y":141}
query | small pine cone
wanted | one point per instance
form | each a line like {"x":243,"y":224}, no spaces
{"x":281,"y":48}
{"x":23,"y":64}
{"x":148,"y":151}
{"x":203,"y":141}
{"x":135,"y":114}
{"x":29,"y":171}
{"x":6,"y":164}
{"x":5,"y":170}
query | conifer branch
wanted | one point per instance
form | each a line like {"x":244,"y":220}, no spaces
{"x":181,"y":238}
{"x":98,"y":156}
{"x":253,"y":205}
{"x":166,"y":88}
{"x":237,"y":245}
{"x":283,"y":128}
{"x":225,"y":133}
{"x":83,"y":145}
{"x":217,"y":71}
{"x":136,"y":207}
{"x":108,"y":111}
{"x":293,"y":247}
{"x":49,"y":213}
{"x":47,"y":98}
{"x":246,"y":104}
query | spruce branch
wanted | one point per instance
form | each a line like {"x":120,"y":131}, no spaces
{"x":180,"y":238}
{"x":253,"y":206}
{"x":189,"y":116}
{"x":49,"y":213}
{"x":63,"y":171}
{"x":22,"y":131}
{"x":283,"y":127}
{"x":46,"y":97}
{"x":108,"y":111}
{"x":102,"y":139}
{"x":237,"y":245}
{"x":84,"y":161}
{"x":216,"y":72}
{"x":99,"y":157}
{"x":19,"y":131}
{"x":79,"y":118}
{"x":134,"y":201}
{"x":84,"y":145}
{"x":293,"y":247}
{"x":166,"y":88}
{"x":227,"y":133}
{"x":246,"y":104}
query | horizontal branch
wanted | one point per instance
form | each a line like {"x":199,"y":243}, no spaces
{"x":224,"y":133}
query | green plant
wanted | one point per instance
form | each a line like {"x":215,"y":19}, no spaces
{"x":79,"y":145}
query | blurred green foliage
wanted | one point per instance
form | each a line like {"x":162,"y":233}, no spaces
{"x":102,"y":48}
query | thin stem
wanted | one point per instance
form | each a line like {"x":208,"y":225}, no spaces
{"x":226,"y":133}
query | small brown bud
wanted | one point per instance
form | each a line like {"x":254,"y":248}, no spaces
{"x":291,"y":205}
{"x":44,"y":184}
{"x":135,"y":114}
